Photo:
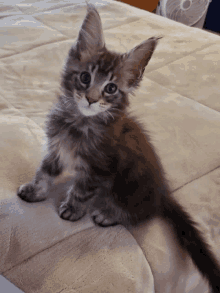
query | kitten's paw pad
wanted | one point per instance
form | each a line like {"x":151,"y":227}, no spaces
{"x":28,"y":193}
{"x":99,"y":218}
{"x":68,"y":212}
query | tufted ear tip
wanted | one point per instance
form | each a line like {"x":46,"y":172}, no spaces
{"x":90,"y":39}
{"x":159,"y":37}
{"x":137,"y":59}
{"x":90,"y":7}
{"x":154,"y":40}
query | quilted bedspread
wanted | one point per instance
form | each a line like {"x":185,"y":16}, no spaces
{"x":179,"y":103}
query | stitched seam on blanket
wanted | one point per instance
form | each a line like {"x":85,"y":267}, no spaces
{"x":40,"y":251}
{"x":11,"y":106}
{"x":19,"y":9}
{"x":22,"y":114}
{"x":139,"y":245}
{"x":42,"y":11}
{"x":184,"y":96}
{"x":183,"y":56}
{"x":202,"y":105}
{"x":51,"y":27}
{"x":113,"y":26}
{"x":37,"y":46}
{"x":121,"y":24}
{"x":53,"y":8}
{"x":197,"y":103}
{"x":195,"y":179}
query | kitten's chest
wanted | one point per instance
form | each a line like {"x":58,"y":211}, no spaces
{"x":68,"y":159}
{"x":66,"y":152}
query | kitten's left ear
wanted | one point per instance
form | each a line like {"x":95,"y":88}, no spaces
{"x":90,"y":39}
{"x":137,"y":59}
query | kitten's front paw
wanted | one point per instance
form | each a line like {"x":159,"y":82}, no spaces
{"x":28,"y":192}
{"x":70,"y":213}
{"x":102,"y":219}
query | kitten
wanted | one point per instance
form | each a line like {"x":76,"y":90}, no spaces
{"x":116,"y":176}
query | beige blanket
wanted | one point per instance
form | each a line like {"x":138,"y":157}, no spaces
{"x":178,"y":102}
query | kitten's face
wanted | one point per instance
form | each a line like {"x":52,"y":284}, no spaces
{"x":95,"y":85}
{"x":96,"y":80}
{"x":95,"y":92}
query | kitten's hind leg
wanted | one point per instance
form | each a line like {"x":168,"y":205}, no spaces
{"x":103,"y":218}
{"x":105,"y":212}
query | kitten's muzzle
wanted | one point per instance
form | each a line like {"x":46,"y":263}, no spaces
{"x":90,"y":100}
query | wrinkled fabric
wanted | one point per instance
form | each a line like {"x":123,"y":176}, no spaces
{"x":178,"y":102}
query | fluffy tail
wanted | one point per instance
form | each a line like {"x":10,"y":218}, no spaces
{"x":192,"y":240}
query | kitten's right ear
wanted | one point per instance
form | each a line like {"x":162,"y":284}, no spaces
{"x":90,"y":39}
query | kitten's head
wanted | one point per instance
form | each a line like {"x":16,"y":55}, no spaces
{"x":97,"y":80}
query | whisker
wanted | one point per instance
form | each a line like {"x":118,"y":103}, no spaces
{"x":67,"y":104}
{"x":78,"y":96}
{"x":116,"y":109}
{"x":104,"y":117}
{"x":110,"y":114}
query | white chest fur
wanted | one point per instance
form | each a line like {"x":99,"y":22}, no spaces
{"x":67,"y":158}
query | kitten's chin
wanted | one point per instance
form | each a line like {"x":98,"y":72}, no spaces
{"x":87,"y":111}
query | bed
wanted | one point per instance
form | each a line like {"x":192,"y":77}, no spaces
{"x":178,"y":102}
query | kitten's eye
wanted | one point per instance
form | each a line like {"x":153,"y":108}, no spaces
{"x":110,"y":88}
{"x":85,"y":77}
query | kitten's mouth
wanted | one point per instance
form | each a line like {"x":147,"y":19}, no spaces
{"x":87,"y":109}
{"x":90,"y":109}
{"x":88,"y":106}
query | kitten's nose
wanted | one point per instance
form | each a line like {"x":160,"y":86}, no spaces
{"x":90,"y":100}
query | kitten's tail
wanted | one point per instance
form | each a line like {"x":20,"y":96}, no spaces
{"x":192,"y":240}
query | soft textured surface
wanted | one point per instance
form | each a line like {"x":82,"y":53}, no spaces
{"x":178,"y":102}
